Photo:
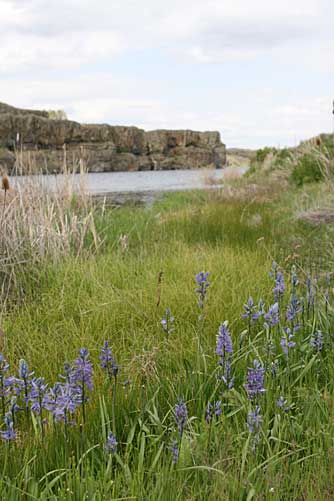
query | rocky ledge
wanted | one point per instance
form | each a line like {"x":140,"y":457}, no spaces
{"x":30,"y":141}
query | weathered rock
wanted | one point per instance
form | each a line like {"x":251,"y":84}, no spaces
{"x":50,"y":145}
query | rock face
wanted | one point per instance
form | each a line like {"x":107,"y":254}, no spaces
{"x":30,"y":141}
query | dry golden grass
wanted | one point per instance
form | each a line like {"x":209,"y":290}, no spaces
{"x":37,"y":225}
{"x":246,"y":190}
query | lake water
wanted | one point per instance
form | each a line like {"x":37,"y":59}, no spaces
{"x":139,"y":186}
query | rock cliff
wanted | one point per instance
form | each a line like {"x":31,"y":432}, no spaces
{"x":31,"y":141}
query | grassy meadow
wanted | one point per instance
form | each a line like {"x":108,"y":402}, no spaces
{"x":145,"y":261}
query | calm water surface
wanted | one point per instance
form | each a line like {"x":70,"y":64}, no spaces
{"x":138,"y":185}
{"x":117,"y":182}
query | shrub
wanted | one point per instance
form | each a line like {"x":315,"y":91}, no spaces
{"x":258,"y":159}
{"x":282,"y":156}
{"x":262,"y":153}
{"x":307,"y":170}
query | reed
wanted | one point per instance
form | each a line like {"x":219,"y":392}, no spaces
{"x":39,"y":225}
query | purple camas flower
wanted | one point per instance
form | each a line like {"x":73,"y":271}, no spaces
{"x":279,"y":286}
{"x":254,"y":420}
{"x":292,"y":312}
{"x":272,"y":316}
{"x":37,"y":395}
{"x":249,"y":308}
{"x":174,"y":448}
{"x":203,"y":284}
{"x":255,"y":380}
{"x":111,"y":444}
{"x":65,"y":398}
{"x":260,"y":310}
{"x":180,"y":416}
{"x":13,"y":385}
{"x":317,"y":340}
{"x":9,"y":434}
{"x":287,"y":341}
{"x":50,"y":400}
{"x":213,"y":411}
{"x":68,"y":369}
{"x":108,"y":361}
{"x":167,"y":323}
{"x":65,"y":402}
{"x":274,"y":268}
{"x":25,"y":382}
{"x":282,"y":403}
{"x":226,"y":376}
{"x":252,"y":311}
{"x":224,"y":350}
{"x":82,"y":373}
{"x":24,"y":370}
{"x":224,"y":345}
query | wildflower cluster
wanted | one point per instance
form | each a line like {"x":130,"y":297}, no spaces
{"x":33,"y":394}
{"x":285,"y":335}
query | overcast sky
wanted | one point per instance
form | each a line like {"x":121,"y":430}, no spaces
{"x":261,"y":72}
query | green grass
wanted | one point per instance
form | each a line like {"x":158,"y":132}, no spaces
{"x":113,"y":295}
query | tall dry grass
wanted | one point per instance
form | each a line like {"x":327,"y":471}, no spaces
{"x":39,"y":225}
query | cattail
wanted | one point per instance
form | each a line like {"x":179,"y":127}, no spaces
{"x":159,"y":287}
{"x":5,"y":187}
{"x":5,"y":182}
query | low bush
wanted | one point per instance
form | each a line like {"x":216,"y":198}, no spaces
{"x":262,"y":154}
{"x":307,"y":170}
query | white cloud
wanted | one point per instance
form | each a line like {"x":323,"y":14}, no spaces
{"x":29,"y":51}
{"x":50,"y":52}
{"x":73,"y":32}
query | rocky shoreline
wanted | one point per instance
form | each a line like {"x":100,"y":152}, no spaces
{"x":31,"y":142}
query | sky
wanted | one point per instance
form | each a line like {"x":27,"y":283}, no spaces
{"x":261,"y":72}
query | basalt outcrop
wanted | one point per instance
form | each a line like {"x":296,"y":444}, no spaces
{"x":31,"y":141}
